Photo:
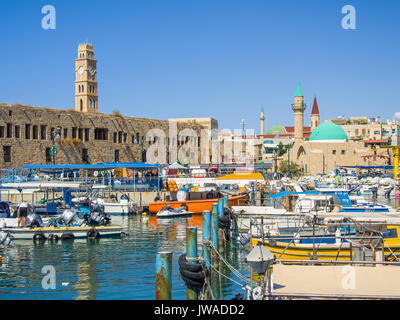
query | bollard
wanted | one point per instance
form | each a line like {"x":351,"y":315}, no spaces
{"x":164,"y":275}
{"x":191,"y":253}
{"x":207,"y":237}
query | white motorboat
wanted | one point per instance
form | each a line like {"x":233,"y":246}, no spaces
{"x":97,"y":196}
{"x":168,"y":212}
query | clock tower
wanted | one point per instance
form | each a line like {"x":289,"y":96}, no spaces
{"x":86,"y":96}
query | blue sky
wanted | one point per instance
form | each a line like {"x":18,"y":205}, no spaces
{"x":211,"y":58}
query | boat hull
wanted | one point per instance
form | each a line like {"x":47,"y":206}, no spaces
{"x":195,"y":206}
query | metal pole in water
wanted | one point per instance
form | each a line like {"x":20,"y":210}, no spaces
{"x":215,"y":240}
{"x":226,"y":200}
{"x":191,"y":253}
{"x":207,"y":237}
{"x":164,"y":275}
{"x":214,"y":230}
{"x":221,"y":203}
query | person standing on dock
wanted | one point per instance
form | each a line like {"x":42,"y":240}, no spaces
{"x":23,"y":212}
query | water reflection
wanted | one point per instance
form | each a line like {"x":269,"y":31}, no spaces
{"x":106,"y":268}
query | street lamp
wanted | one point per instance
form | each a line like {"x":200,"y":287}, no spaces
{"x":53,"y":149}
{"x":142,"y":151}
{"x":261,"y":260}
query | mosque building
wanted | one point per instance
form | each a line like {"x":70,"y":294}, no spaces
{"x":321,"y":148}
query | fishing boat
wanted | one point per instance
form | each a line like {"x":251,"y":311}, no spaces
{"x":329,"y":247}
{"x":169,"y":212}
{"x":195,"y":206}
{"x":72,"y":224}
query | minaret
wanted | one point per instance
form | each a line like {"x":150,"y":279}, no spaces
{"x":315,"y":118}
{"x":262,"y":120}
{"x":86,"y":96}
{"x":298,"y":108}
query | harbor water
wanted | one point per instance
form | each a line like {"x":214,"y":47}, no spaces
{"x":107,"y":269}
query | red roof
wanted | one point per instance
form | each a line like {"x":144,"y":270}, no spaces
{"x":315,"y":109}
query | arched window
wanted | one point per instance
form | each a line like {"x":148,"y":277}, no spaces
{"x":81,"y":105}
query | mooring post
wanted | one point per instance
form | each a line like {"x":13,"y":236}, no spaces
{"x":215,"y":240}
{"x":214,"y":230}
{"x":221,"y":205}
{"x":221,"y":231}
{"x":191,"y":255}
{"x":164,"y":275}
{"x":207,"y":237}
{"x":206,"y":231}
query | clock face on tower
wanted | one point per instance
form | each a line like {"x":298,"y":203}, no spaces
{"x":81,"y":70}
{"x":91,"y":70}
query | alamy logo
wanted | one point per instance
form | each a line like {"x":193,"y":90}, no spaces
{"x":49,"y":280}
{"x":49,"y":20}
{"x":349,"y":21}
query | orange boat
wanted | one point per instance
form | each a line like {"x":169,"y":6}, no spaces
{"x":196,"y":206}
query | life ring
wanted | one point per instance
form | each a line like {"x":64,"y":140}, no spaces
{"x":93,"y":234}
{"x":39,"y":236}
{"x":67,"y":236}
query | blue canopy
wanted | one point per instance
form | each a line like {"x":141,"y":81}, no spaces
{"x":100,"y":166}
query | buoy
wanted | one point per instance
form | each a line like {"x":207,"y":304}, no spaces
{"x":145,"y":218}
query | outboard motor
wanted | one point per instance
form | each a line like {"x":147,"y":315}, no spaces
{"x":97,"y":207}
{"x":68,"y":216}
{"x":374,"y":190}
{"x":388,"y":191}
{"x":97,"y":216}
{"x":35,"y":220}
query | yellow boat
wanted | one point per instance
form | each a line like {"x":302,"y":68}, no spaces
{"x":327,"y":251}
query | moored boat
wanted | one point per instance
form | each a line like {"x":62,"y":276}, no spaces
{"x":168,"y":212}
{"x":195,"y":206}
{"x":326,"y":247}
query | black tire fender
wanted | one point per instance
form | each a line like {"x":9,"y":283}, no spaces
{"x":39,"y":236}
{"x":67,"y":236}
{"x":184,"y":264}
{"x":93,"y":234}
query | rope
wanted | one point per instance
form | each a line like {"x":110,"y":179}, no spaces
{"x":230,"y":267}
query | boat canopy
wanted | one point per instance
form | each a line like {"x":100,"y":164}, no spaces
{"x":100,"y":166}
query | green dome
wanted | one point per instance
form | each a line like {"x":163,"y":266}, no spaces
{"x":328,"y":131}
{"x":275,"y":129}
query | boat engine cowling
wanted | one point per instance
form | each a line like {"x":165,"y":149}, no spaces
{"x":71,"y":217}
{"x":35,"y":220}
{"x":68,"y":216}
